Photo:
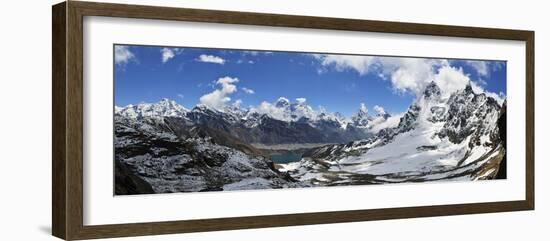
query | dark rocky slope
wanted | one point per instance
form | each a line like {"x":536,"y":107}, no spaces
{"x":170,"y":159}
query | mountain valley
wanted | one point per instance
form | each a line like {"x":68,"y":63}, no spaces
{"x":175,"y":149}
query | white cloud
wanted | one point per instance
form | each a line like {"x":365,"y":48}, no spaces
{"x":451,"y":79}
{"x":482,"y":67}
{"x":255,"y":53}
{"x":405,"y":74}
{"x":301,"y":100}
{"x":482,"y":82}
{"x":363,"y":108}
{"x":281,"y":111}
{"x":250,"y":52}
{"x":123,"y":55}
{"x":408,"y":74}
{"x":497,"y":65}
{"x":238,"y":103}
{"x":169,"y":53}
{"x":247,"y":90}
{"x":210,"y":59}
{"x":500,"y":97}
{"x":181,"y":96}
{"x":380,"y":123}
{"x":240,"y":61}
{"x":345,"y":62}
{"x":322,"y":109}
{"x":379,"y":110}
{"x":282,"y":99}
{"x":267,"y":108}
{"x":414,"y":74}
{"x":218,"y":98}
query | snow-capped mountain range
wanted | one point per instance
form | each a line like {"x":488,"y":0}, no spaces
{"x":164,"y":108}
{"x":283,"y":114}
{"x":282,"y":109}
{"x":458,"y":136}
{"x":454,"y":137}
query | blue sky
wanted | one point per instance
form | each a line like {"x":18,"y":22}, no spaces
{"x":339,"y":83}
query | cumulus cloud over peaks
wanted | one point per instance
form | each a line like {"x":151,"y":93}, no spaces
{"x":500,"y":97}
{"x":283,"y":109}
{"x":283,"y":99}
{"x":210,"y":59}
{"x":237,"y":103}
{"x":381,"y":123}
{"x":409,"y":75}
{"x":379,"y":110}
{"x":405,"y":74}
{"x":363,"y":108}
{"x":123,"y":55}
{"x":413,"y":75}
{"x":218,"y":98}
{"x":451,"y":79}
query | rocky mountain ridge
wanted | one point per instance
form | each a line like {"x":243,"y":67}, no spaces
{"x":292,"y":122}
{"x":438,"y":138}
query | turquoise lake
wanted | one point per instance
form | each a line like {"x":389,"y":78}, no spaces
{"x":286,"y":157}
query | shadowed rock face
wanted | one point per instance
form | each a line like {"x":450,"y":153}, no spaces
{"x":502,"y":133}
{"x":126,"y":182}
{"x":467,"y":115}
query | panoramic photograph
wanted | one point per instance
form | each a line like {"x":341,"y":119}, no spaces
{"x":190,"y":119}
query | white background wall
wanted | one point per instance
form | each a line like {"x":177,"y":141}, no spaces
{"x":25,"y":120}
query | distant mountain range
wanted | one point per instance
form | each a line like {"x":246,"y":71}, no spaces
{"x":286,"y":123}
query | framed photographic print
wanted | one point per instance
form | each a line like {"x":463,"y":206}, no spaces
{"x":171,"y":120}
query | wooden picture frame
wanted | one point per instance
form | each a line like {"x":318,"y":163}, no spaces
{"x":67,"y":124}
